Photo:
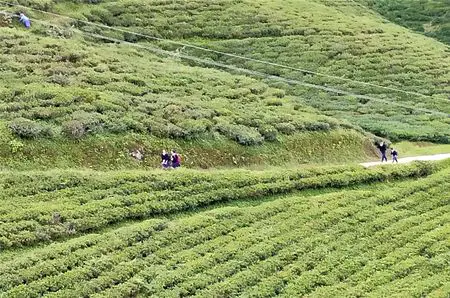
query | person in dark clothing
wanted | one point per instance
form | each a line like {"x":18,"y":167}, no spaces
{"x":394,"y":155}
{"x":176,"y":160}
{"x":165,"y":159}
{"x":382,"y":147}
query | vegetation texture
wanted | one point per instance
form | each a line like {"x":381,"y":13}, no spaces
{"x":70,"y":99}
{"x":317,"y":232}
{"x":431,"y":18}
{"x":339,"y":39}
{"x":73,"y":87}
{"x":80,"y":89}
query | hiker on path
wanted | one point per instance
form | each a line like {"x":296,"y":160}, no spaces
{"x":382,"y":147}
{"x":176,"y":160}
{"x":24,"y":20}
{"x":165,"y":160}
{"x":394,"y":155}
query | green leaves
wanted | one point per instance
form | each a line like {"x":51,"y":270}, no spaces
{"x":29,"y":129}
{"x":363,"y":239}
{"x":92,"y":202}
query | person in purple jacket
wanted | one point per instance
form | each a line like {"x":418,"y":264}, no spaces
{"x":24,"y":20}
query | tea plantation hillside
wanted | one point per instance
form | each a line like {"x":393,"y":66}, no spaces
{"x":322,"y":232}
{"x":431,"y":18}
{"x":71,"y":102}
{"x":342,"y":40}
{"x":80,"y":217}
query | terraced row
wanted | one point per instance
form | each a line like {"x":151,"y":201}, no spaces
{"x":31,"y":213}
{"x":386,"y":238}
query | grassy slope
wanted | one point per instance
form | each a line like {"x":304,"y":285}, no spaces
{"x":337,"y":38}
{"x":70,"y":88}
{"x":421,"y":148}
{"x":107,"y":152}
{"x":431,"y":18}
{"x":379,"y":238}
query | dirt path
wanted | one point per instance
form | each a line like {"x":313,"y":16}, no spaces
{"x":410,"y":159}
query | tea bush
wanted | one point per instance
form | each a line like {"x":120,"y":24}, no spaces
{"x":74,"y":129}
{"x":341,"y":39}
{"x":93,"y":201}
{"x":29,"y":129}
{"x":428,"y":17}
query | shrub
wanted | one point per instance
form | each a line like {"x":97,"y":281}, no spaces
{"x":285,"y":128}
{"x":174,"y":131}
{"x":194,"y":128}
{"x":274,"y":102}
{"x":268,"y":132}
{"x":59,"y":79}
{"x":242,"y":134}
{"x":136,"y":81}
{"x":91,"y":122}
{"x":73,"y":129}
{"x":130,"y":37}
{"x":28,"y":129}
{"x":15,"y":146}
{"x":317,"y":126}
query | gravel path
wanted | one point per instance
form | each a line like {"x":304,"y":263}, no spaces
{"x":410,"y":159}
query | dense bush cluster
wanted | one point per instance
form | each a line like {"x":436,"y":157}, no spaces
{"x":340,"y":38}
{"x":28,"y":129}
{"x":378,"y":240}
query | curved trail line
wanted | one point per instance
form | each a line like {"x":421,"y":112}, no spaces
{"x":410,"y":159}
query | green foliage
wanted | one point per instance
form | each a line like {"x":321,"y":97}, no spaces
{"x":340,"y":39}
{"x":337,"y":38}
{"x":74,"y":129}
{"x":28,"y":129}
{"x":92,"y":201}
{"x":375,"y":240}
{"x":115,"y":90}
{"x":16,"y":146}
{"x":268,"y":132}
{"x":111,"y":151}
{"x":429,"y":17}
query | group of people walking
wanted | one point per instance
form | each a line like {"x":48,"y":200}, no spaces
{"x":383,"y":149}
{"x":172,"y":160}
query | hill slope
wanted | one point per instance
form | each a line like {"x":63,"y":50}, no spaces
{"x":77,"y":88}
{"x":431,"y":18}
{"x":56,"y":90}
{"x":335,"y":38}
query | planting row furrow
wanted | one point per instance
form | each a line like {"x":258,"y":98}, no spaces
{"x":169,"y":254}
{"x":215,"y":228}
{"x":201,"y":280}
{"x":323,"y":274}
{"x":278,"y":281}
{"x":27,"y":185}
{"x":344,"y":240}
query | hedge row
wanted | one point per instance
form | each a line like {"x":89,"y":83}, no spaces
{"x":292,"y":246}
{"x":48,"y":216}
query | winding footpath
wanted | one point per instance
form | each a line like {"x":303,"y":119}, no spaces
{"x":409,"y":159}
